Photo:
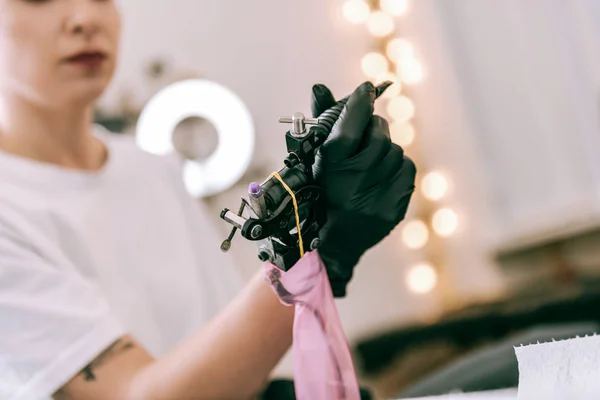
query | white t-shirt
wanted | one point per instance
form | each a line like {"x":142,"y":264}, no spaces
{"x":86,"y":257}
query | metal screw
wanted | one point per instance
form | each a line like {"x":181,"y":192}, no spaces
{"x":299,"y":122}
{"x":315,"y":243}
{"x":256,"y":231}
{"x":226,"y":245}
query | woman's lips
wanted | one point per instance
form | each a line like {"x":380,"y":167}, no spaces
{"x":88,"y":59}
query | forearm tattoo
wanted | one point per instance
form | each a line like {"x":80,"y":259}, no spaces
{"x":117,"y":347}
{"x":61,"y":395}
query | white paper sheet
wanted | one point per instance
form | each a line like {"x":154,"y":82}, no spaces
{"x":566,"y":369}
{"x":507,"y":394}
{"x":558,"y":370}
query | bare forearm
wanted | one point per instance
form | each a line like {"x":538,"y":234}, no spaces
{"x":230,"y":358}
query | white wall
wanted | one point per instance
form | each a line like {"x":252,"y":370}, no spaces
{"x":528,"y":75}
{"x":269,"y":52}
{"x":509,"y":109}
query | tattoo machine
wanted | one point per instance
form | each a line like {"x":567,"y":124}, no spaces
{"x":287,"y":210}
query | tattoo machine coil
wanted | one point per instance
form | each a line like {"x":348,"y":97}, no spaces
{"x":288,"y":209}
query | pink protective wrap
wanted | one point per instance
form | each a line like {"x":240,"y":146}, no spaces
{"x":323,"y":368}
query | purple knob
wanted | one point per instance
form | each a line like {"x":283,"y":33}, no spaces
{"x":255,"y":190}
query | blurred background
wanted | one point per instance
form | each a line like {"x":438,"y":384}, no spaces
{"x":498,"y":104}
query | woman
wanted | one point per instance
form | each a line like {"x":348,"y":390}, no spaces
{"x":105,"y":289}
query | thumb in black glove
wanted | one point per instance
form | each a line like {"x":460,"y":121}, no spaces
{"x":367,"y":180}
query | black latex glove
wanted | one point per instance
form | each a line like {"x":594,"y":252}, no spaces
{"x":367,"y":179}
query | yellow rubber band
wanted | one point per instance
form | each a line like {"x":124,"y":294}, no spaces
{"x":276,"y":175}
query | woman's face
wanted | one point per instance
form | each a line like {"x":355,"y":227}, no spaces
{"x":58,"y":53}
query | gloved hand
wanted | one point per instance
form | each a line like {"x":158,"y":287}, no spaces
{"x":367,"y":179}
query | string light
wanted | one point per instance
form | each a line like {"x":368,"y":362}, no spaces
{"x":415,"y":234}
{"x":399,"y":49}
{"x":399,"y":64}
{"x":402,"y":133}
{"x":380,"y":24}
{"x":396,"y":8}
{"x":374,"y":64}
{"x":356,"y":11}
{"x":401,"y":108}
{"x":434,"y":186}
{"x":410,"y":71}
{"x":444,"y":222}
{"x":421,"y":278}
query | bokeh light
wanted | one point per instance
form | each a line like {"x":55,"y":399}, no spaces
{"x":380,"y":24}
{"x":402,"y":133}
{"x":399,"y":49}
{"x":415,"y":234}
{"x":434,"y":186}
{"x":445,"y":222}
{"x":374,"y":64}
{"x":397,"y":8}
{"x":410,"y":71}
{"x":401,"y":108}
{"x":421,"y":278}
{"x":356,"y":11}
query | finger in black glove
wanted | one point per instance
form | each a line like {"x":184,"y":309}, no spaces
{"x":367,"y":179}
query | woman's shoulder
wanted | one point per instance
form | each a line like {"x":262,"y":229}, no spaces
{"x":126,"y":149}
{"x":130,"y":161}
